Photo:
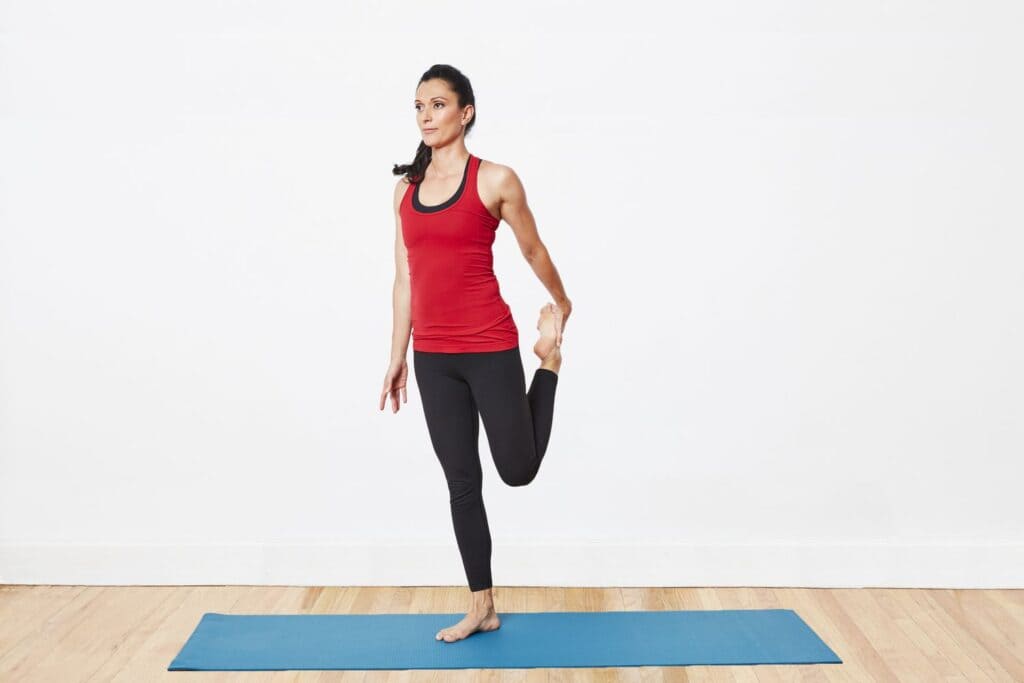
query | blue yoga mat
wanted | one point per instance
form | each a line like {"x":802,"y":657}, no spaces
{"x":279,"y":642}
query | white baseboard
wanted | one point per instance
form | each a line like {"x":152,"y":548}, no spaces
{"x":981,"y":565}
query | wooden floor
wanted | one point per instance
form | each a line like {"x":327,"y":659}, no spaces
{"x":78,"y":633}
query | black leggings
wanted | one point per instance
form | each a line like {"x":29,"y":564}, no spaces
{"x":457,"y":390}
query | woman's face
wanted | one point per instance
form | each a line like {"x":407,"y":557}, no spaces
{"x":438,"y":114}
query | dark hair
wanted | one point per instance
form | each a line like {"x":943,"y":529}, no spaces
{"x":460,"y":85}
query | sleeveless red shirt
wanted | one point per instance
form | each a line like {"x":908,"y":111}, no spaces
{"x":456,"y":303}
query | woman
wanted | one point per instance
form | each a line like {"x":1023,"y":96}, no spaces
{"x":448,"y":205}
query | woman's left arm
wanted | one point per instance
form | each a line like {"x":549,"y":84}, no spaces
{"x":516,"y":212}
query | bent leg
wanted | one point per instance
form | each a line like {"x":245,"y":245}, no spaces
{"x":454,"y":424}
{"x":517,"y":421}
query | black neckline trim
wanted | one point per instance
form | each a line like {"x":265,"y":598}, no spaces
{"x":423,"y":208}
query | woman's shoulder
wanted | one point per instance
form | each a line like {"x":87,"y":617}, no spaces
{"x":401,"y":187}
{"x":494,"y":169}
{"x":497,"y":176}
{"x":500,"y":180}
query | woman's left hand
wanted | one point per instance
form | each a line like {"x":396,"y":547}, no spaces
{"x":566,"y":307}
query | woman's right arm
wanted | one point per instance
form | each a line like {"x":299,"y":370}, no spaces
{"x":401,"y":293}
{"x":398,"y":370}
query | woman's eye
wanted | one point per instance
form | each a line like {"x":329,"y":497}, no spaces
{"x":439,"y":103}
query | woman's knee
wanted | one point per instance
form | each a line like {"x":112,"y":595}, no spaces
{"x":464,"y":492}
{"x":519,"y":474}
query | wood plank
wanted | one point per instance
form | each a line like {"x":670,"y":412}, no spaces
{"x":74,"y":643}
{"x":1014,"y":595}
{"x":963,"y":637}
{"x":916,"y":637}
{"x":889,"y":642}
{"x":964,"y":668}
{"x":24,"y":610}
{"x":871,"y":661}
{"x":975,"y":616}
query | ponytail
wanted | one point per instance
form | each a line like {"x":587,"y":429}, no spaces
{"x":414,"y":172}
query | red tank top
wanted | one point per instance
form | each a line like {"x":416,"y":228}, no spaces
{"x":456,"y":303}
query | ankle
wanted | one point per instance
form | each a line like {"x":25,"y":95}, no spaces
{"x":553,"y":361}
{"x":481,"y":602}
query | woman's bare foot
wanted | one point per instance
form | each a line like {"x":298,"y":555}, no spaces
{"x":476,"y":620}
{"x":550,"y":326}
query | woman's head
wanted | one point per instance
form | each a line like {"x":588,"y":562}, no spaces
{"x":445,"y":111}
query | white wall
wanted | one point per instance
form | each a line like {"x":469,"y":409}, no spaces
{"x":791,"y":232}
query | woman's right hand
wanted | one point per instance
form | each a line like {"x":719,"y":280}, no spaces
{"x":394,"y":384}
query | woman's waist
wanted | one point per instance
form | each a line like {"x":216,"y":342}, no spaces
{"x":463,"y":319}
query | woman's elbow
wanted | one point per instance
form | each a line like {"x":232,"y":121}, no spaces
{"x":534,"y":252}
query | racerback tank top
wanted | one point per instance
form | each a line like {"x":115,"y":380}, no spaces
{"x":456,"y":303}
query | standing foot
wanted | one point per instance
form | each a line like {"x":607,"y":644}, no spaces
{"x":484,"y":620}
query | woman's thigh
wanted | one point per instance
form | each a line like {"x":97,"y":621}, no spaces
{"x":451,"y":414}
{"x":498,"y":384}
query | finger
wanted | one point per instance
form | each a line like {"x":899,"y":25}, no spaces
{"x":382,"y":397}
{"x":405,"y":399}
